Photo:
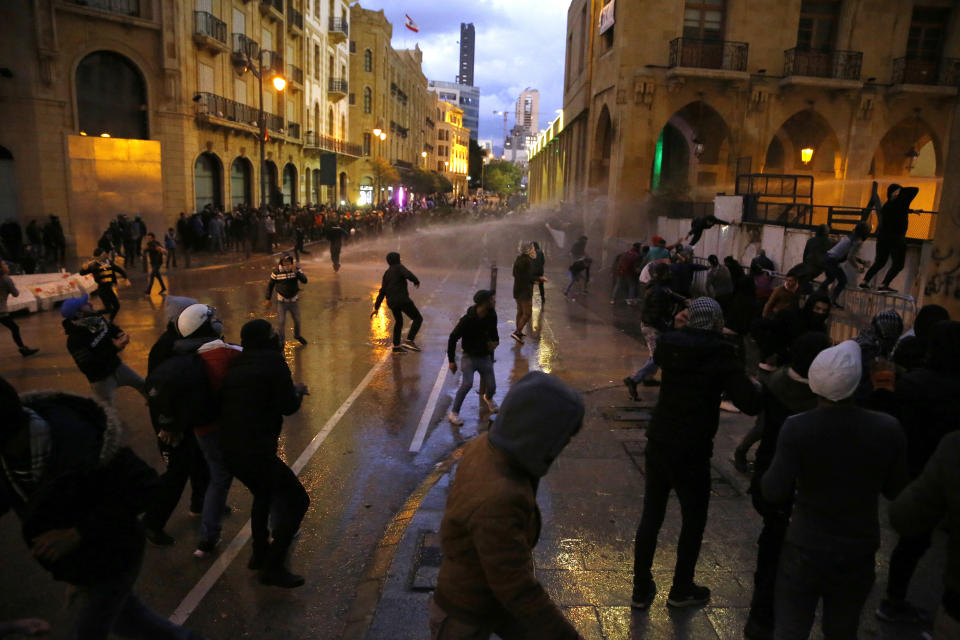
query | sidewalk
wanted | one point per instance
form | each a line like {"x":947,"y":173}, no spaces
{"x":591,"y":502}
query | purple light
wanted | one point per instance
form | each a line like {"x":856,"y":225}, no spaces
{"x":400,"y":196}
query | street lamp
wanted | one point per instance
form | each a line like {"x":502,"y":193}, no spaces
{"x":241,"y":65}
{"x":380,"y":134}
{"x":806,"y":155}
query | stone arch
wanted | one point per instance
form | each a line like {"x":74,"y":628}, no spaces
{"x":112,"y":97}
{"x":241,"y":182}
{"x":330,"y":125}
{"x":289,"y":184}
{"x":692,"y":153}
{"x":274,"y":197}
{"x":911,"y":133}
{"x":602,"y":149}
{"x":804,"y":129}
{"x":207,"y":180}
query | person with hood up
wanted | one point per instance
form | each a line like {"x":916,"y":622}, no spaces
{"x":95,"y":345}
{"x":699,"y":369}
{"x":257,"y":392}
{"x":105,"y":273}
{"x":286,"y":280}
{"x":786,"y":392}
{"x":78,"y":493}
{"x":891,"y":236}
{"x":659,"y":307}
{"x":876,"y":344}
{"x":335,"y":235}
{"x":394,"y":289}
{"x":477,"y":332}
{"x":844,"y":251}
{"x":491,"y":522}
{"x":833,"y":462}
{"x":912,"y":348}
{"x":8,"y":288}
{"x":926,"y":400}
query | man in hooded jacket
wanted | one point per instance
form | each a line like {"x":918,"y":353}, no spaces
{"x":891,"y":236}
{"x":477,"y":332}
{"x":699,"y":367}
{"x":491,"y":523}
{"x":394,"y":289}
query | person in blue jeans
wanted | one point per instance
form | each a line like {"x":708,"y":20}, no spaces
{"x":78,"y":493}
{"x":477,"y":332}
{"x":833,"y":462}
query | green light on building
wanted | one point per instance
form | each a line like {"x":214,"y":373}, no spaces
{"x":657,"y":164}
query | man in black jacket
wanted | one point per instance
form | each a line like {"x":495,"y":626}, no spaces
{"x":335,"y":235}
{"x":393,"y":287}
{"x":78,"y":492}
{"x":95,"y":345}
{"x":105,"y":273}
{"x":785,"y":393}
{"x":477,"y":332}
{"x":659,"y":305}
{"x":286,"y":279}
{"x":891,"y":236}
{"x":257,"y":392}
{"x":699,"y":367}
{"x":524,"y":277}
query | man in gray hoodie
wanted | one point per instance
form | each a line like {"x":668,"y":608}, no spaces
{"x":491,"y":523}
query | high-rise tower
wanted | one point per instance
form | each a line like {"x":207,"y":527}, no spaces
{"x":467,"y":41}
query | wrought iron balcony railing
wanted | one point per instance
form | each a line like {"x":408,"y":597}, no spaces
{"x":326,"y":143}
{"x":340,"y":25}
{"x":337,"y":85}
{"x":294,"y":17}
{"x":120,"y":7}
{"x":709,"y":54}
{"x":295,"y":73}
{"x":840,"y":65}
{"x":207,"y":24}
{"x":211,"y":104}
{"x":944,"y":72}
{"x":245,"y":46}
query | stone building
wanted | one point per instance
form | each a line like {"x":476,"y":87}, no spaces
{"x":390,"y":98}
{"x":680,"y":98}
{"x":453,"y":147}
{"x":150,"y":107}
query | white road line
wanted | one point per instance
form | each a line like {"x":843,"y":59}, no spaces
{"x":217,"y":569}
{"x":428,"y":411}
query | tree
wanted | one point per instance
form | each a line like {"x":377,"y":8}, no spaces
{"x":384,"y":174}
{"x":420,"y":181}
{"x":502,"y":177}
{"x":477,"y":154}
{"x":441,"y":183}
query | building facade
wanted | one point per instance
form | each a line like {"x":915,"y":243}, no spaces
{"x":464,"y":96}
{"x":468,"y":40}
{"x":733,"y":87}
{"x":151,"y":108}
{"x":453,"y":147}
{"x":528,"y":111}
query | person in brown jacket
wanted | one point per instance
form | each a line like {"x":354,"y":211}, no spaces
{"x":491,"y":523}
{"x":785,"y":297}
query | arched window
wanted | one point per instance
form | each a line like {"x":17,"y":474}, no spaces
{"x":111,"y":96}
{"x":206,"y":180}
{"x":316,"y":118}
{"x":368,"y":60}
{"x":330,"y":131}
{"x":343,"y":126}
{"x":290,"y":185}
{"x":240,"y":182}
{"x":367,"y":100}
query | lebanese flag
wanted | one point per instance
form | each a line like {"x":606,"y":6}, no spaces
{"x":410,"y":24}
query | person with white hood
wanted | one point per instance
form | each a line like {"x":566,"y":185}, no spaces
{"x":833,"y":462}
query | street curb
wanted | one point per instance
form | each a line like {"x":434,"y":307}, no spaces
{"x":368,"y":593}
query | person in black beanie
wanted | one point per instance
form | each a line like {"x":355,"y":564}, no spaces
{"x":911,"y":350}
{"x":891,"y":236}
{"x":393,"y":288}
{"x":785,"y":392}
{"x":257,"y":392}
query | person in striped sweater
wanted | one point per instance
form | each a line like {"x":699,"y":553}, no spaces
{"x":285,"y":280}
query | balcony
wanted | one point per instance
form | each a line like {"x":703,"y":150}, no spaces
{"x":828,"y":69}
{"x":272,"y":9}
{"x":295,"y":76}
{"x":245,"y":47}
{"x":209,"y":32}
{"x":320,"y":142}
{"x":219,"y":111}
{"x":337,"y":89}
{"x":272,"y":61}
{"x":293,"y":130}
{"x":718,"y":59}
{"x":119,"y":7}
{"x":926,"y":76}
{"x":294,"y":20}
{"x":339,"y":30}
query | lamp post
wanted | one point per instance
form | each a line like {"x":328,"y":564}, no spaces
{"x":279,"y":83}
{"x":381,"y":135}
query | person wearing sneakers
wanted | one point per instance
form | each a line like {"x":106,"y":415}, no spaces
{"x":257,"y":392}
{"x":699,"y":368}
{"x":477,"y":333}
{"x":891,"y":236}
{"x":393,"y":288}
{"x":659,"y":307}
{"x":154,"y":253}
{"x":286,"y":279}
{"x":524,"y":277}
{"x":844,"y":251}
{"x":8,"y":288}
{"x":491,"y":522}
{"x":833,"y":462}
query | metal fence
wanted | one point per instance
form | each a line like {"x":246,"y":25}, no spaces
{"x":842,"y":65}
{"x":944,"y":72}
{"x":326,"y":143}
{"x":246,"y":46}
{"x":337,"y":85}
{"x":294,"y":17}
{"x":210,"y":104}
{"x":709,"y":54}
{"x":122,"y":7}
{"x":340,"y":25}
{"x":207,"y":24}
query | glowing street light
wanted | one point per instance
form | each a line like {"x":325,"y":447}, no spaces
{"x":279,"y":83}
{"x":806,"y":155}
{"x":383,"y":136}
{"x":377,"y":131}
{"x":423,"y":154}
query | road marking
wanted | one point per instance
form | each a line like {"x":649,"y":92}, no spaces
{"x":430,"y":408}
{"x":217,"y":569}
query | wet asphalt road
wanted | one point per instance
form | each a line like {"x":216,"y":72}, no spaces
{"x":362,"y":472}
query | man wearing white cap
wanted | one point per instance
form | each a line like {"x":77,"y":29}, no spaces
{"x":836,"y":460}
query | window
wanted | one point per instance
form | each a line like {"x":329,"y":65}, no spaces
{"x":818,"y":24}
{"x":316,"y":9}
{"x":330,"y":67}
{"x":926,"y":37}
{"x":368,"y":60}
{"x":316,"y":62}
{"x":239,"y":21}
{"x":607,"y":23}
{"x":367,"y":100}
{"x":268,"y":100}
{"x":111,"y":96}
{"x":583,"y":36}
{"x":703,"y":19}
{"x":330,"y":131}
{"x":266,"y":39}
{"x":566,"y":70}
{"x":343,"y":126}
{"x":205,"y":5}
{"x":240,"y":90}
{"x":205,"y":78}
{"x":366,"y":144}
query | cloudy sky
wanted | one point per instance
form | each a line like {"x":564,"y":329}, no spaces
{"x":520,"y":44}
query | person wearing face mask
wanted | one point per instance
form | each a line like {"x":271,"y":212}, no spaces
{"x":257,"y":392}
{"x":815,"y":313}
{"x":491,"y":523}
{"x":95,"y":345}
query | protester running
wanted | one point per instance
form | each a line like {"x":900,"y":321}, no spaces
{"x":393,"y":288}
{"x":105,"y":273}
{"x":8,"y":288}
{"x":477,"y":333}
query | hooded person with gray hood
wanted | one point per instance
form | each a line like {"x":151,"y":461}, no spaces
{"x":491,"y":523}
